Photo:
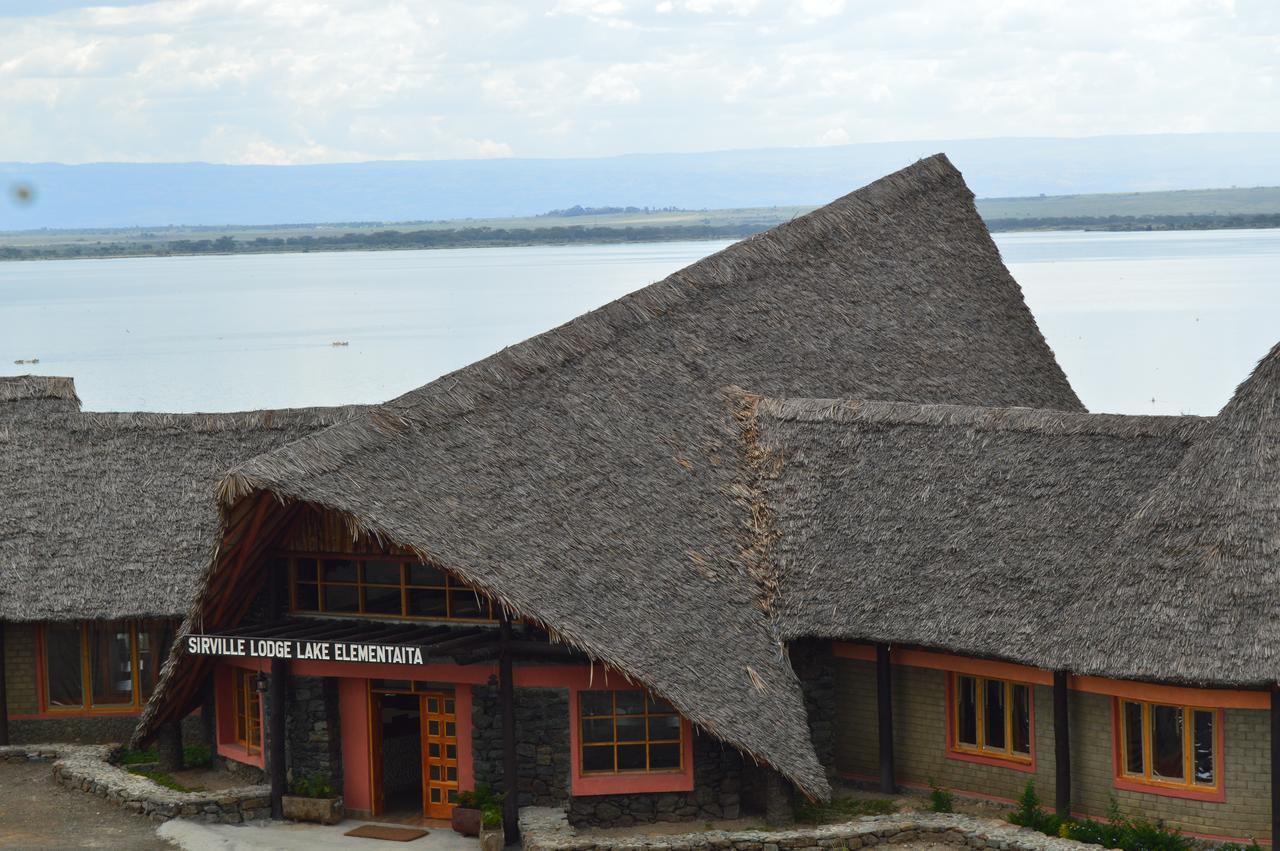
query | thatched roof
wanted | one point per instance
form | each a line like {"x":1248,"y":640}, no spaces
{"x":27,"y":396}
{"x":1119,"y":546}
{"x":109,"y":515}
{"x":591,"y":478}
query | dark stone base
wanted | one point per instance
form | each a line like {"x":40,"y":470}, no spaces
{"x":542,"y":743}
{"x":91,"y":730}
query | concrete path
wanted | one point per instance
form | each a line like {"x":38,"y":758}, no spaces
{"x":287,"y":836}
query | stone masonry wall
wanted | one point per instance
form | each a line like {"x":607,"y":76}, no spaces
{"x":814,"y":665}
{"x":542,"y":743}
{"x":20,"y":667}
{"x":919,"y":726}
{"x":313,"y":728}
{"x":717,"y":788}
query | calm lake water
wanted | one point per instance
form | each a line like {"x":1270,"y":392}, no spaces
{"x":1142,"y":323}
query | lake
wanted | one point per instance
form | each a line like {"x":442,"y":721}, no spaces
{"x":1160,"y":323}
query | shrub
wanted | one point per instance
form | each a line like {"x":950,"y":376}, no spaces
{"x":1029,"y":814}
{"x":491,"y":816}
{"x":317,"y":785}
{"x":1128,"y":834}
{"x":940,"y":800}
{"x":481,"y":798}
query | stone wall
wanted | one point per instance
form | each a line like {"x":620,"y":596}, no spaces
{"x":20,"y":667}
{"x":815,"y":667}
{"x":543,"y":829}
{"x":919,"y":728}
{"x":717,"y":789}
{"x":542,"y":743}
{"x":313,"y":729}
{"x":91,"y":729}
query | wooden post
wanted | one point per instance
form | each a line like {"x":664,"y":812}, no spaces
{"x":884,"y":704}
{"x":277,"y":689}
{"x":4,"y":697}
{"x":507,"y":698}
{"x":1275,"y":764}
{"x":1061,"y":746}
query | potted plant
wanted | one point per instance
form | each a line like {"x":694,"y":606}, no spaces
{"x":312,"y":799}
{"x":469,"y":812}
{"x":492,"y":837}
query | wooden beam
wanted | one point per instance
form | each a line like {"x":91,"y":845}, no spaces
{"x":1275,"y":764}
{"x":884,"y":710}
{"x":4,"y":698}
{"x":506,"y":697}
{"x":1061,"y":746}
{"x":278,"y":689}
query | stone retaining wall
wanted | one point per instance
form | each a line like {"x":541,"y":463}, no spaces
{"x":86,"y":767}
{"x":545,"y":829}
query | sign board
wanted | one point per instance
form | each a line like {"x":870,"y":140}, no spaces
{"x":290,"y":648}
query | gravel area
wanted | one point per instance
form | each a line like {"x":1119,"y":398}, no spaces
{"x":35,"y":812}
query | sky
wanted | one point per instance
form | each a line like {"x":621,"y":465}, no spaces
{"x":303,"y":81}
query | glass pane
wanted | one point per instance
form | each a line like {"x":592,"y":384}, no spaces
{"x":597,"y":758}
{"x":663,"y":757}
{"x":1021,"y":719}
{"x":663,"y":727}
{"x":427,"y":604}
{"x":435,"y":771}
{"x":425,"y":574}
{"x":62,"y":660}
{"x":381,"y":601}
{"x":1203,"y":747}
{"x":1133,"y":738}
{"x":448,"y":706}
{"x":993,"y":714}
{"x":435,"y":794}
{"x":153,"y":649}
{"x":433,"y":750}
{"x":631,"y":757}
{"x":450,"y":729}
{"x":341,"y":598}
{"x":433,"y":705}
{"x":466,"y":604}
{"x":1167,"y":742}
{"x":433,"y":727}
{"x":110,"y":664}
{"x":308,"y":599}
{"x":629,"y":702}
{"x":450,"y":751}
{"x":597,"y":730}
{"x":339,"y":570}
{"x":390,"y":685}
{"x":382,"y":572}
{"x":453,"y":796}
{"x":967,"y":711}
{"x":597,"y":703}
{"x":451,"y":773}
{"x":630,"y":728}
{"x":306,"y":569}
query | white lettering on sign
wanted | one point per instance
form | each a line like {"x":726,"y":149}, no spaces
{"x":284,"y":648}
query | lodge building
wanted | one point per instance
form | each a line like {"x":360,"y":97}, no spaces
{"x":820,"y":508}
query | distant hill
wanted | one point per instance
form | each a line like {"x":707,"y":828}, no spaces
{"x":150,"y":194}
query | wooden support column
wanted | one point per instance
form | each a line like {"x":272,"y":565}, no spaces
{"x":1275,"y":764}
{"x":4,"y":697}
{"x":884,"y":707}
{"x":277,"y":689}
{"x":507,"y":699}
{"x":1061,"y":746}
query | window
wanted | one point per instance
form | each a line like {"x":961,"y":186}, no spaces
{"x":103,"y":666}
{"x":381,"y":586}
{"x":991,"y":718}
{"x":1165,"y":745}
{"x":248,"y":712}
{"x":629,"y":731}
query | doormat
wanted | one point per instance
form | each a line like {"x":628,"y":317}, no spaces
{"x":394,"y":834}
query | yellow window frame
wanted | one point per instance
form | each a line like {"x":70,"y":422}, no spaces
{"x":248,"y":711}
{"x":87,"y":704}
{"x":615,"y":743}
{"x":980,"y":707}
{"x":1148,"y":776}
{"x":449,"y":587}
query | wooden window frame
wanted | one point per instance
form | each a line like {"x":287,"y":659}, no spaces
{"x":451,"y":586}
{"x":1148,"y":781}
{"x":981,"y":753}
{"x":247,"y":706}
{"x":86,"y":705}
{"x":616,"y":743}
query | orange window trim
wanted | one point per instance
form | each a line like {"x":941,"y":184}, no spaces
{"x":984,"y":756}
{"x":87,"y":707}
{"x":584,"y":783}
{"x":1148,"y":782}
{"x":615,"y":742}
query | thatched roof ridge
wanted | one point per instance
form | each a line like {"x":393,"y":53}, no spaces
{"x":113,"y":515}
{"x":591,"y":478}
{"x":40,"y":393}
{"x":974,"y":530}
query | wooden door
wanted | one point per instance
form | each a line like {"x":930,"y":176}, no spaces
{"x":439,"y":754}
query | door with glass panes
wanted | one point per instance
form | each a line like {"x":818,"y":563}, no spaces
{"x":439,"y":754}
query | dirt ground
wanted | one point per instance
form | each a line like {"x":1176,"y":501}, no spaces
{"x":35,"y":812}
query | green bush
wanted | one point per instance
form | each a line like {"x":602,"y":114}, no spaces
{"x":940,"y":800}
{"x":1029,"y":814}
{"x":482,"y":798}
{"x":491,"y":816}
{"x":1128,"y":834}
{"x":317,"y":785}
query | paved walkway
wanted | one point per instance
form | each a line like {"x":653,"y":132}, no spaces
{"x":287,"y":836}
{"x":35,"y":812}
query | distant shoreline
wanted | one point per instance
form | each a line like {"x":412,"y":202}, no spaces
{"x":250,"y":241}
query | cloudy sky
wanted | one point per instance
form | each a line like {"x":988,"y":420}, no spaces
{"x":299,"y":81}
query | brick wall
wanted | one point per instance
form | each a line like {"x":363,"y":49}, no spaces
{"x":20,"y":667}
{"x":919,"y":722}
